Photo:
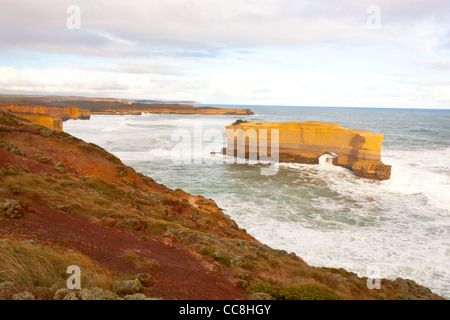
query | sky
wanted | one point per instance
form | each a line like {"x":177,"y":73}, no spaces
{"x":352,"y":53}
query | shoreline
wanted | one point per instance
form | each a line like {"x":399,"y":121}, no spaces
{"x":185,"y":217}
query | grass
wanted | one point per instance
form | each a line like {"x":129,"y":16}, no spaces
{"x":14,"y":170}
{"x":105,"y":188}
{"x":28,"y":263}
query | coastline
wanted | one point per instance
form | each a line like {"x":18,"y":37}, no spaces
{"x":182,"y":212}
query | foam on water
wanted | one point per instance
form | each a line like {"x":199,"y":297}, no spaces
{"x":324,"y":213}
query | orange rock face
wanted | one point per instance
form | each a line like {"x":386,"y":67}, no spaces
{"x":64,"y":113}
{"x":305,"y":142}
{"x":44,"y":120}
{"x":47,"y":116}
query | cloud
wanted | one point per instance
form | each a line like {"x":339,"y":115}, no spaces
{"x":205,"y":28}
{"x":139,"y":68}
{"x":58,"y":80}
{"x":257,"y":51}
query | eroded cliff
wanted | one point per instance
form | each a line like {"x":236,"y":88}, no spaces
{"x":44,"y":120}
{"x":305,"y":142}
{"x":48,"y":116}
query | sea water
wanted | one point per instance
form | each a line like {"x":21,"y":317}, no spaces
{"x":325,"y":214}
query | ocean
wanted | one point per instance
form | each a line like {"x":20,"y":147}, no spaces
{"x":325,"y":214}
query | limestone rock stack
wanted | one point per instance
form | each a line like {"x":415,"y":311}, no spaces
{"x":305,"y":142}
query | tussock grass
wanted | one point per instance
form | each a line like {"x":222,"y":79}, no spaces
{"x":30,"y":264}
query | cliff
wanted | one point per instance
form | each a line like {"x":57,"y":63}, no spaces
{"x":44,"y":120}
{"x":305,"y":142}
{"x":64,"y":113}
{"x":81,"y":107}
{"x":179,"y":109}
{"x":48,"y":116}
{"x":67,"y":202}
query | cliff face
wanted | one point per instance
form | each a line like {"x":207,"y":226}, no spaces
{"x":305,"y":142}
{"x":64,"y":113}
{"x":44,"y":120}
{"x":47,"y":116}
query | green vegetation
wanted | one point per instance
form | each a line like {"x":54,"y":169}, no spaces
{"x":14,"y":170}
{"x":11,"y":208}
{"x":28,"y":263}
{"x":42,"y":159}
{"x":222,"y":258}
{"x":303,"y":292}
{"x":8,"y":119}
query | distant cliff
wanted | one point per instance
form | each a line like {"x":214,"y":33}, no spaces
{"x":64,"y":113}
{"x":305,"y":142}
{"x":47,"y":116}
{"x":178,"y":109}
{"x":64,"y":106}
{"x":44,"y":120}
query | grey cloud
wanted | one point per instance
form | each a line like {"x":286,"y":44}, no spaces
{"x":197,"y":28}
{"x":140,"y":68}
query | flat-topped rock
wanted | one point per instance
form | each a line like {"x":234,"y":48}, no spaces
{"x":305,"y":142}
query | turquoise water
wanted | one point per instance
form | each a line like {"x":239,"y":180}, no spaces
{"x":325,"y":214}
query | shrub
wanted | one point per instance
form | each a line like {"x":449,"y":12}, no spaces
{"x":218,"y":256}
{"x":11,"y":208}
{"x":97,"y":294}
{"x":11,"y":147}
{"x":260,"y":296}
{"x":65,"y":294}
{"x":60,"y":167}
{"x":15,"y":188}
{"x":304,"y":292}
{"x":44,"y":132}
{"x":266,"y":288}
{"x":241,"y":262}
{"x":6,"y":285}
{"x":124,"y":287}
{"x":136,"y":296}
{"x":307,"y":292}
{"x":67,"y":208}
{"x":42,"y":159}
{"x":152,"y":264}
{"x":14,"y":170}
{"x":23,"y":296}
{"x":146,"y":279}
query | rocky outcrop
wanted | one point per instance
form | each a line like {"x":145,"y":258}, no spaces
{"x":305,"y":142}
{"x":48,"y":116}
{"x":44,"y":120}
{"x":64,"y":113}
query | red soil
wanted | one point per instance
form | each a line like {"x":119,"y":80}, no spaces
{"x":104,"y":244}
